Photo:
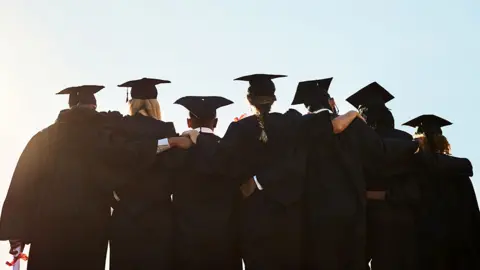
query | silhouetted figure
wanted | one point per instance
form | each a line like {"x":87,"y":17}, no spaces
{"x":392,"y":189}
{"x":449,"y":218}
{"x":204,"y":204}
{"x":142,"y":219}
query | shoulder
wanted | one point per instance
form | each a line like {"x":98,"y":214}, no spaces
{"x":402,"y":134}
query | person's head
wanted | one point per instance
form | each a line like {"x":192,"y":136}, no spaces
{"x":434,"y":143}
{"x":194,"y":122}
{"x":429,"y":127}
{"x":314,"y":95}
{"x":146,"y":107}
{"x":371,"y":102}
{"x":378,"y":116}
{"x":261,"y":96}
{"x":203,"y":110}
{"x":144,"y":97}
{"x":82,"y":96}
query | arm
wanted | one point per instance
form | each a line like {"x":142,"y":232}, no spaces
{"x":19,"y":205}
{"x":340,"y":123}
{"x":374,"y":150}
{"x":224,"y":157}
{"x":141,"y":128}
{"x":284,"y":180}
{"x":441,"y":163}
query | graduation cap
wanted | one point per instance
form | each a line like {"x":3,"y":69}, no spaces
{"x":84,"y":94}
{"x":309,"y":92}
{"x":203,"y":107}
{"x":260,"y":84}
{"x":371,"y":95}
{"x":144,"y":88}
{"x":428,"y":123}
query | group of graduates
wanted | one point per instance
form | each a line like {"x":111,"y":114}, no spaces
{"x":279,"y":191}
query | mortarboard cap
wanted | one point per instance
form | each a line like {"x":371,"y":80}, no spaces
{"x":84,"y":94}
{"x":311,"y":91}
{"x":428,"y":123}
{"x":203,"y":107}
{"x":371,"y":95}
{"x":260,"y":84}
{"x":144,"y":88}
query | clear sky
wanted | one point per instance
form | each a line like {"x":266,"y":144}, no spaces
{"x":426,"y":53}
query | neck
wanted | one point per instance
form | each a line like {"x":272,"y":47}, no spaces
{"x":204,"y":129}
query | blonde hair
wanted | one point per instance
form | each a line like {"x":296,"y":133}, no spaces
{"x":147,"y":107}
{"x":440,"y":143}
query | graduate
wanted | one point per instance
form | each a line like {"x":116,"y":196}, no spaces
{"x":449,"y":217}
{"x":390,"y":219}
{"x":204,"y":204}
{"x":143,"y":211}
{"x":335,"y":186}
{"x":331,"y":194}
{"x":59,"y":196}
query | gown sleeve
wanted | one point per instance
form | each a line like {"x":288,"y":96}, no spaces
{"x":446,"y":164}
{"x":144,"y":128}
{"x":19,"y":205}
{"x":224,"y":157}
{"x":375,"y":150}
{"x":284,"y":179}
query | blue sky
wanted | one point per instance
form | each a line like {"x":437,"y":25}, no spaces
{"x":424,"y":52}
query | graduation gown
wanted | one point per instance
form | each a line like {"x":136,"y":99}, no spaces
{"x":141,"y":229}
{"x":59,"y":196}
{"x":335,"y":189}
{"x":449,"y":217}
{"x":391,"y":222}
{"x":205,"y":220}
{"x":270,"y":219}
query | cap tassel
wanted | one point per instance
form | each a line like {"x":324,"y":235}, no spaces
{"x":127,"y":97}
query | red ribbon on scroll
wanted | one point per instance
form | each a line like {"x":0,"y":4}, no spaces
{"x":22,"y":256}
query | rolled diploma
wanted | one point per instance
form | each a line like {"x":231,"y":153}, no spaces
{"x":16,"y":266}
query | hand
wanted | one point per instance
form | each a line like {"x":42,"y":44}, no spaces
{"x":180,"y":142}
{"x":14,"y":245}
{"x":361,"y":117}
{"x":192,"y":134}
{"x":248,"y":188}
{"x":421,"y":143}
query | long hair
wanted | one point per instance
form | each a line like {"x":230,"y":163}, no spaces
{"x":147,"y":107}
{"x":434,"y":143}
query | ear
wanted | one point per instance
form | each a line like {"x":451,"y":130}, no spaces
{"x":215,"y":122}
{"x":189,"y":123}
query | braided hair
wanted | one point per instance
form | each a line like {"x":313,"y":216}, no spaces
{"x":262,"y":97}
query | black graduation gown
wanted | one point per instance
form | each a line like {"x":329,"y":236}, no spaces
{"x":391,"y":222}
{"x":271,"y":219}
{"x":141,"y":231}
{"x":335,"y":189}
{"x":204,"y":217}
{"x":59,"y":197}
{"x":449,"y":217}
